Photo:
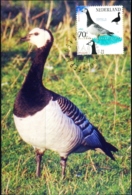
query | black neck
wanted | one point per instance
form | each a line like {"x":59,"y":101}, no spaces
{"x":89,"y":19}
{"x":94,"y":49}
{"x":34,"y":78}
{"x":33,"y":96}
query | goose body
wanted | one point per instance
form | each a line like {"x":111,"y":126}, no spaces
{"x":94,"y":28}
{"x":117,"y":19}
{"x":51,"y":129}
{"x":47,"y":120}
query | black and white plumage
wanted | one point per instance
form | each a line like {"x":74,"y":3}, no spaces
{"x":92,"y":44}
{"x":93,"y":27}
{"x":47,"y":120}
{"x":117,"y":19}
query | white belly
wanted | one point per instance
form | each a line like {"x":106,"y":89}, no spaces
{"x":92,"y":30}
{"x":49,"y":128}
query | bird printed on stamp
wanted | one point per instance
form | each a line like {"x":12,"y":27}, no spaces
{"x":117,"y":19}
{"x":94,"y":28}
{"x":93,"y":46}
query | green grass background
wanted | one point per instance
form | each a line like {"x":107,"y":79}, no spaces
{"x":103,"y":95}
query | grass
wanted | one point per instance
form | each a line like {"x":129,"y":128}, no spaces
{"x":103,"y":95}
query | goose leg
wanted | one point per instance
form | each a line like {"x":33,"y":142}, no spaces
{"x":63,"y":166}
{"x":38,"y":161}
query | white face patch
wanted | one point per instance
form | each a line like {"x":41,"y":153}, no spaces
{"x":90,"y":43}
{"x":84,"y":10}
{"x":39,"y":37}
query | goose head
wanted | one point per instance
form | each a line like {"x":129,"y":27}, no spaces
{"x":85,"y":10}
{"x":38,"y":37}
{"x":91,"y":43}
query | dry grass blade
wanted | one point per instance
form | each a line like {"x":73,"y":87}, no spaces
{"x":6,"y":26}
{"x":108,"y":69}
{"x":27,"y":13}
{"x":123,"y":67}
{"x":50,"y":14}
{"x":41,"y":23}
{"x":38,"y":15}
{"x":112,"y":2}
{"x":92,"y":163}
{"x":79,"y":80}
{"x":85,"y":2}
{"x":11,"y":31}
{"x":18,"y":165}
{"x":7,"y":186}
{"x":6,"y":116}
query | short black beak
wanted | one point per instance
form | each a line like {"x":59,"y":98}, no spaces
{"x":88,"y":43}
{"x":24,"y":39}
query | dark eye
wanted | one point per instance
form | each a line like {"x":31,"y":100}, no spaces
{"x":36,"y":33}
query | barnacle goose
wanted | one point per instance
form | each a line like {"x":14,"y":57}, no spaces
{"x":92,"y":44}
{"x":47,"y":120}
{"x":93,"y":27}
{"x":116,"y":20}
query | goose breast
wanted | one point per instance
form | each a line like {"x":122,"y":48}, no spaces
{"x":50,"y":128}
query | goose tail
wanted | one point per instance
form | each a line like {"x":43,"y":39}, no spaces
{"x":109,"y":147}
{"x":95,"y":140}
{"x":110,"y":33}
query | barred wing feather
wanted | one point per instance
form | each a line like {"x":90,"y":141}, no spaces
{"x":92,"y":137}
{"x":73,"y":112}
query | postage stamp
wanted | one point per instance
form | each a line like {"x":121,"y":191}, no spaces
{"x":99,"y":30}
